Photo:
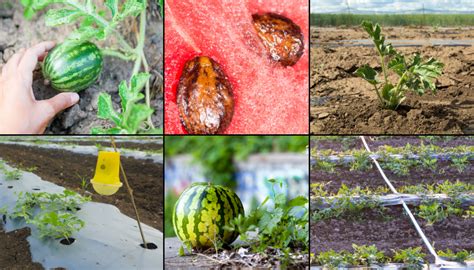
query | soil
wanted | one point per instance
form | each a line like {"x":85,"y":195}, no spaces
{"x":17,"y":33}
{"x":16,"y":255}
{"x":331,"y":34}
{"x":392,"y":230}
{"x":65,"y":169}
{"x":342,"y":103}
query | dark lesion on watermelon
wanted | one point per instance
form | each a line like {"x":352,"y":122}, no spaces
{"x":282,"y":38}
{"x":204,"y":96}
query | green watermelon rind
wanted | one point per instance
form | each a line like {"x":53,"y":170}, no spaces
{"x":200,"y":228}
{"x":72,"y":66}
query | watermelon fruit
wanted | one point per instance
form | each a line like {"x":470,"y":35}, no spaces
{"x":268,"y":98}
{"x":73,"y":66}
{"x":201,"y":213}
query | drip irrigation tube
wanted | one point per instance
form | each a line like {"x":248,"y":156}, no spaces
{"x":438,"y":260}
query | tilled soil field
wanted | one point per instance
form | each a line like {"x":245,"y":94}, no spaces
{"x":342,"y":103}
{"x":390,"y":229}
{"x":16,"y":32}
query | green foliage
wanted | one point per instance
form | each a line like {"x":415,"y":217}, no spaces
{"x":361,"y":162}
{"x":415,"y":75}
{"x":360,"y":256}
{"x":333,"y":260}
{"x":412,"y":257}
{"x":344,"y":19}
{"x":460,"y":162}
{"x":216,"y":154}
{"x":368,"y":255}
{"x":52,"y":213}
{"x":344,"y":205}
{"x":170,"y":201}
{"x":435,"y":211}
{"x":13,"y":174}
{"x":460,"y":256}
{"x":133,"y":115}
{"x":284,"y":226}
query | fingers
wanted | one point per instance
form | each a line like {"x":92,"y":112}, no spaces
{"x":30,"y":58}
{"x":58,"y":103}
{"x":12,"y":64}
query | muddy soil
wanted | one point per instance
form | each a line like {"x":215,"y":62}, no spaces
{"x":372,"y":178}
{"x":351,"y":142}
{"x":392,"y":230}
{"x":17,"y":33}
{"x":66,"y":169}
{"x":342,"y":103}
{"x":16,"y":254}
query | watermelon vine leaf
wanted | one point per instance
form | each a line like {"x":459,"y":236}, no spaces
{"x":133,"y":114}
{"x":283,"y":226}
{"x":415,"y":74}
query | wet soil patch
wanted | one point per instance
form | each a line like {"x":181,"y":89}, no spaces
{"x":15,"y":250}
{"x":391,"y":230}
{"x":66,"y":169}
{"x":372,"y":178}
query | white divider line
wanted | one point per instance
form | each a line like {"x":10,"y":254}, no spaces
{"x":405,"y":206}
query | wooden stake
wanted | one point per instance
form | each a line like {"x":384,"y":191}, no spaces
{"x":130,"y":192}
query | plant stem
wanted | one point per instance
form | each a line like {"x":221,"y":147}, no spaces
{"x":378,"y":95}
{"x":101,"y":21}
{"x":115,"y":53}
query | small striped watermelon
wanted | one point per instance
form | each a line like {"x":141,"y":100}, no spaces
{"x":201,"y":213}
{"x":73,"y":66}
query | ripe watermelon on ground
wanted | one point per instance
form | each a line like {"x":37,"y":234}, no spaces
{"x":201,"y":213}
{"x":269,"y":98}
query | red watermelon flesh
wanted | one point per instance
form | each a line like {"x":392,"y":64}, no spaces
{"x":269,"y":98}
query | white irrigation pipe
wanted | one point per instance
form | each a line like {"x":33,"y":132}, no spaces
{"x":438,"y":260}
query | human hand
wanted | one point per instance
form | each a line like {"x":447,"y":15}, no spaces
{"x":20,"y":112}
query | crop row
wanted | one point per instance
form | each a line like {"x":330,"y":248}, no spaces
{"x":399,"y":163}
{"x":369,"y":256}
{"x":52,"y":214}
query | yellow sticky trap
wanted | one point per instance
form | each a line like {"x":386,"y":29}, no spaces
{"x":106,"y":180}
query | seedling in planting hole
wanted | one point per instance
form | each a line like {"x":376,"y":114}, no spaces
{"x":415,"y":74}
{"x":14,"y":174}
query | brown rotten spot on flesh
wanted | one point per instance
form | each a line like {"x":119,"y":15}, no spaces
{"x":281,"y":37}
{"x":205,"y":101}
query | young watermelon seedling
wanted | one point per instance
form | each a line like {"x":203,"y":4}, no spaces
{"x":415,"y":74}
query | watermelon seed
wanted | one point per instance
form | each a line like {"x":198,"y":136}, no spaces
{"x":281,"y":37}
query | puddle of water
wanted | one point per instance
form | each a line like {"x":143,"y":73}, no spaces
{"x":399,"y":43}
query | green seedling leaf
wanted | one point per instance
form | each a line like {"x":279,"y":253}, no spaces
{"x":106,"y":110}
{"x":138,"y":113}
{"x":368,"y":74}
{"x":56,"y":17}
{"x":113,"y":6}
{"x":415,"y":75}
{"x":130,"y":8}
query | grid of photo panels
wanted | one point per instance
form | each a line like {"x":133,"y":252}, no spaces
{"x":236,"y":134}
